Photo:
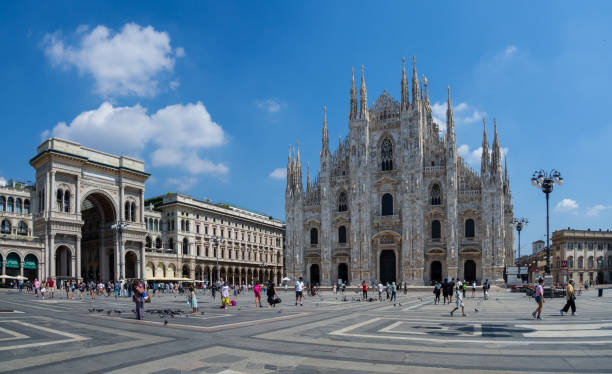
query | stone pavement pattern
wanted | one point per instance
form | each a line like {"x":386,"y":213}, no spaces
{"x":326,"y":335}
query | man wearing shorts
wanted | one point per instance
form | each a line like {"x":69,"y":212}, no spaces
{"x":299,"y":289}
{"x":539,"y":298}
{"x":51,"y":286}
{"x":459,"y":300}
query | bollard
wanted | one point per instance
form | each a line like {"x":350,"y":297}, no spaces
{"x":600,"y":292}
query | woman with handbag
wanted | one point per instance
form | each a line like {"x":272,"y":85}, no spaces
{"x":570,"y":297}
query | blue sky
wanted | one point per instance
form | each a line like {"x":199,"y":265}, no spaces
{"x":211,"y":94}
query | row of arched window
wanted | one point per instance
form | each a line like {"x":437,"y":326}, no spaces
{"x":590,"y":262}
{"x":6,"y":228}
{"x":153,"y":224}
{"x":17,"y":205}
{"x":62,"y":201}
{"x":130,"y":211}
{"x":314,"y":235}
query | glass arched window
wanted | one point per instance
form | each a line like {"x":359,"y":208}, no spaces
{"x":18,"y":205}
{"x":436,"y":195}
{"x":9,"y":205}
{"x":127,"y":211}
{"x":59,"y":202}
{"x":436,"y":231}
{"x":67,"y":201}
{"x":148,"y":242}
{"x":341,"y":234}
{"x":133,"y":212}
{"x":386,"y":155}
{"x":158,"y":243}
{"x":185,"y":246}
{"x":570,"y":262}
{"x":5,"y":228}
{"x":387,"y":205}
{"x":26,"y":206}
{"x":342,"y":202}
{"x":314,"y":236}
{"x":22,"y":228}
{"x":580,"y":262}
{"x":2,"y":203}
{"x":591,"y":262}
{"x":469,"y":228}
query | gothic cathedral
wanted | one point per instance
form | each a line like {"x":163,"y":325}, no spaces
{"x":395,"y":202}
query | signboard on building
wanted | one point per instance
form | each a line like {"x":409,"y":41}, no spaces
{"x":564,"y":264}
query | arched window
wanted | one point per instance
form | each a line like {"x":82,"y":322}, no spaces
{"x":199,"y":248}
{"x":18,"y":204}
{"x":22,"y":228}
{"x":187,"y":228}
{"x":133,"y":212}
{"x":5,"y":228}
{"x":59,"y":202}
{"x":314,"y":236}
{"x":158,"y":243}
{"x":341,"y":234}
{"x":386,"y":155}
{"x":436,"y":232}
{"x":182,"y":225}
{"x":127,"y":211}
{"x":591,"y":262}
{"x":170,"y":243}
{"x":580,"y":262}
{"x":2,"y":203}
{"x":9,"y":205}
{"x":148,"y":243}
{"x":469,"y":228}
{"x":342,"y":202}
{"x":570,"y":262}
{"x":436,"y":195}
{"x":26,"y":206}
{"x":67,"y":201}
{"x":185,"y":246}
{"x":155,"y":225}
{"x":387,"y":205}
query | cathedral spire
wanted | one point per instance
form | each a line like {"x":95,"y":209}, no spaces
{"x":308,"y":177}
{"x":426,"y":93}
{"x":324,"y":139}
{"x":353,"y":108}
{"x":299,"y":169}
{"x":484,"y":160}
{"x":289,"y":171}
{"x":415,"y":82}
{"x":363,"y":93}
{"x":450,"y":122}
{"x":495,"y":152}
{"x":405,"y":98}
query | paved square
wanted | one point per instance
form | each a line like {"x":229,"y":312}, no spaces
{"x":330,"y":333}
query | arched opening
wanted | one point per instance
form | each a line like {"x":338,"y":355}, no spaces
{"x":469,"y":228}
{"x":314,"y":274}
{"x":5,"y":227}
{"x":342,"y":202}
{"x":30,"y":267}
{"x":387,"y":266}
{"x":22,"y":228}
{"x":149,"y":271}
{"x":386,"y":155}
{"x":314,"y":236}
{"x":436,"y":231}
{"x":158,"y":243}
{"x":18,"y":204}
{"x":185,"y":246}
{"x":387,"y":205}
{"x":98,"y":239}
{"x":341,"y":234}
{"x":10,"y":204}
{"x":469,"y":270}
{"x":131,"y":261}
{"x":1,"y":261}
{"x":63,"y":262}
{"x":66,"y":201}
{"x":148,"y":243}
{"x":436,"y":195}
{"x":160,"y":271}
{"x":26,"y":206}
{"x":12,"y":264}
{"x":186,"y":272}
{"x":2,"y":203}
{"x":435,"y":271}
{"x":171,"y":272}
{"x":343,"y":273}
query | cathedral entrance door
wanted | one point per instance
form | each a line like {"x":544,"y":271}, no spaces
{"x":469,"y":271}
{"x":343,"y":272}
{"x":314,"y":274}
{"x":387,"y":266}
{"x":436,"y":271}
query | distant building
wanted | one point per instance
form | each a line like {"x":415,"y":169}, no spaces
{"x":538,"y":246}
{"x":587,"y":255}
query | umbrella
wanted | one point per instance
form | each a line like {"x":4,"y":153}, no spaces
{"x":286,"y":279}
{"x":7,"y":277}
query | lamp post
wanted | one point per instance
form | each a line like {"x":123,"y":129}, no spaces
{"x":546,"y":181}
{"x":519,"y":225}
{"x":216,"y":241}
{"x":119,"y":226}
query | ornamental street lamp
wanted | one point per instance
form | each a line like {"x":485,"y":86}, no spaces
{"x":519,"y":225}
{"x":119,"y":226}
{"x":216,"y":241}
{"x":545,"y":182}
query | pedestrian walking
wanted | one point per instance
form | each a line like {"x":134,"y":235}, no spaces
{"x":225,"y":300}
{"x":138,"y":297}
{"x":458,"y":300}
{"x":193,"y":300}
{"x":299,"y":291}
{"x":445,"y":291}
{"x":380,"y":290}
{"x":51,"y":287}
{"x":43,"y":289}
{"x":364,"y":288}
{"x":464,"y":288}
{"x":473,"y":289}
{"x":272,"y":298}
{"x":67,"y":288}
{"x":539,"y":298}
{"x":570,"y":298}
{"x":393,"y":292}
{"x":451,"y":289}
{"x":436,"y":291}
{"x":257,"y":292}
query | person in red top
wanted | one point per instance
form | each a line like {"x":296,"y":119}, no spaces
{"x":365,"y":290}
{"x":51,"y":286}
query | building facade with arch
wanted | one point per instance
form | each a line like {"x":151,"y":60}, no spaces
{"x":396,"y":202}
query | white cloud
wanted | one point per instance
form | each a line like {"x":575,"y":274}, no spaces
{"x":175,"y":135}
{"x":510,"y":51}
{"x":463,"y":114}
{"x":278,"y":173}
{"x":269,"y":105}
{"x":594,"y":211}
{"x":473,"y":157}
{"x":2,"y":182}
{"x":128,"y":62}
{"x":566,"y":205}
{"x":182,"y":184}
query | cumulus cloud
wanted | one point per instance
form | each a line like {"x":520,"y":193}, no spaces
{"x":269,"y":105}
{"x":278,"y":173}
{"x":463,"y":114}
{"x":128,"y":62}
{"x":566,"y":205}
{"x":2,"y":182}
{"x":594,"y":211}
{"x":175,"y":135}
{"x":510,"y":51}
{"x":473,"y":156}
{"x":182,"y":184}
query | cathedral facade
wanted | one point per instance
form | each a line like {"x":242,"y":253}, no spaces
{"x":395,"y":202}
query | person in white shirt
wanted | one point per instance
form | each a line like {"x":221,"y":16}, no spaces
{"x":380,"y":290}
{"x":459,"y":299}
{"x":299,"y":290}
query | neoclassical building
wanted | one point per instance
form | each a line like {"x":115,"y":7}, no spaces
{"x":395,"y":202}
{"x":65,"y":225}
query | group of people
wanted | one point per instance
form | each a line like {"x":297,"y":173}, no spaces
{"x":570,"y":299}
{"x":447,"y":288}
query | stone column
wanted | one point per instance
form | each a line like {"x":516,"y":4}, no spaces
{"x":78,"y":258}
{"x":73,"y":264}
{"x":52,"y":257}
{"x":21,"y":267}
{"x":143,"y":262}
{"x":4,"y":268}
{"x":142,"y":206}
{"x":122,"y":261}
{"x":77,"y":196}
{"x":121,"y":201}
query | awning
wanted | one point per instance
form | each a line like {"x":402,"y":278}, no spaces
{"x":11,"y":263}
{"x":29,"y":264}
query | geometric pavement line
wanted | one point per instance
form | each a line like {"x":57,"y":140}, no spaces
{"x":71,"y":337}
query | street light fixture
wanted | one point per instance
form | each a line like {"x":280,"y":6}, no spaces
{"x":545,"y":182}
{"x":119,"y":227}
{"x":519,"y":225}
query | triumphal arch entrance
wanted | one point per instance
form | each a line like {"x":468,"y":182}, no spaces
{"x":89,"y":210}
